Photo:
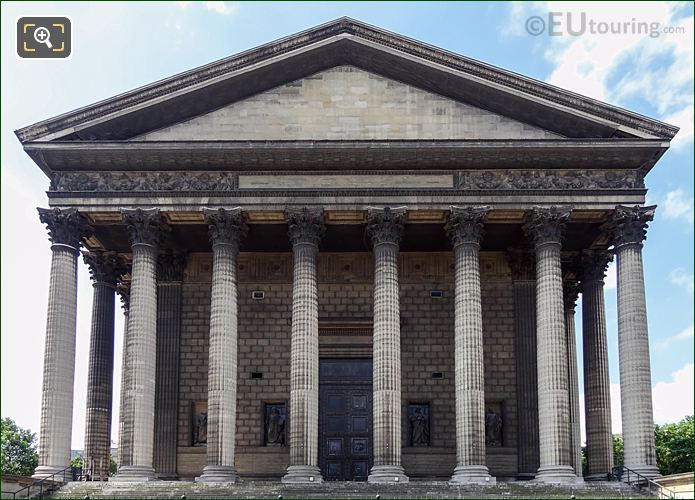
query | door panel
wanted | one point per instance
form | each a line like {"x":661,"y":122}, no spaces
{"x":345,"y":420}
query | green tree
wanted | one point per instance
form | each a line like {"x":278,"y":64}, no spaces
{"x":674,"y":446}
{"x":77,"y":462}
{"x":18,"y":449}
{"x":618,"y":451}
{"x":113,"y":466}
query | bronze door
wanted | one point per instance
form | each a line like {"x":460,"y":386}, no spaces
{"x":345,"y":419}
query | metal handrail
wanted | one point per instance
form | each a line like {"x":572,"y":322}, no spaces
{"x":74,"y":475}
{"x":640,"y":479}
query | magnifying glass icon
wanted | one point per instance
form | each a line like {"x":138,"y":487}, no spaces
{"x":42,"y":35}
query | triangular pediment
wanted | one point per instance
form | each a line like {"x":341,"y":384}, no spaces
{"x":347,"y":103}
{"x":522,"y":106}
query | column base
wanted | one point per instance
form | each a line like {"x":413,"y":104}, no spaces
{"x":302,"y":474}
{"x":650,"y":471}
{"x":45,"y":471}
{"x":557,"y":474}
{"x":387,"y":474}
{"x":472,"y":474}
{"x":134,"y":474}
{"x":218,"y":474}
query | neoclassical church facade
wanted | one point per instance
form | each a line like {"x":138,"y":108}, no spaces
{"x":348,"y":255}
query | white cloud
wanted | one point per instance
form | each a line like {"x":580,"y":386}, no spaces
{"x":681,"y":277}
{"x":673,"y":400}
{"x":685,"y":334}
{"x":677,"y":205}
{"x":224,"y":8}
{"x":657,"y":69}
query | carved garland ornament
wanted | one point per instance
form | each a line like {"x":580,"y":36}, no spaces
{"x":142,"y":181}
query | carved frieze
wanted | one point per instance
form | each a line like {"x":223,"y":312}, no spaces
{"x":549,"y":179}
{"x":505,"y":179}
{"x":142,"y":181}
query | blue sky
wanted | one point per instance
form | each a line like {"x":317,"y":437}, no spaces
{"x":119,"y":46}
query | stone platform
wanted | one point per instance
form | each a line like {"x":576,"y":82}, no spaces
{"x":415,"y":489}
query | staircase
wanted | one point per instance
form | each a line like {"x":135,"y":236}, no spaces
{"x":348,"y":490}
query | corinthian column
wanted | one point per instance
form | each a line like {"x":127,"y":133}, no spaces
{"x":227,"y":228}
{"x":522,"y":265}
{"x":137,"y":416}
{"x":305,"y":231}
{"x":570,"y":294}
{"x":465,"y":229}
{"x":105,"y":268}
{"x":66,"y":228}
{"x":170,"y":266}
{"x":385,"y":227}
{"x":124,"y":438}
{"x":597,"y":395}
{"x":545,"y":228}
{"x":629,"y":229}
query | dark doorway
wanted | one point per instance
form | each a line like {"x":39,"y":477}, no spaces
{"x":345,"y":419}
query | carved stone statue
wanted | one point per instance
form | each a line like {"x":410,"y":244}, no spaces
{"x":200,"y":436}
{"x":493,"y":428}
{"x":275,"y":429}
{"x":419,"y":429}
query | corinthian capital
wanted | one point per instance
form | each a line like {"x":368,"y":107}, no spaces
{"x":226,"y":227}
{"x":628,"y":225}
{"x":545,"y":225}
{"x":466,"y":224}
{"x":105,"y":267}
{"x":385,"y":225}
{"x":170,"y":266}
{"x":145,"y":226}
{"x":570,"y":293}
{"x":594,"y":264}
{"x":65,"y":226}
{"x":305,"y":225}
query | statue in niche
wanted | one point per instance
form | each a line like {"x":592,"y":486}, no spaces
{"x":493,"y":428}
{"x":275,"y":428}
{"x":200,"y":434}
{"x":419,"y":428}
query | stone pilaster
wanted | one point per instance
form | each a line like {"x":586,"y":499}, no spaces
{"x":170,"y":266}
{"x":522,"y":264}
{"x":545,"y":228}
{"x":105,"y":269}
{"x":385,"y":228}
{"x":465,"y":230}
{"x":628,"y":228}
{"x":66,"y":229}
{"x":137,"y":416}
{"x":570,"y":294}
{"x":597,"y":396}
{"x":227,"y":229}
{"x":305,"y":231}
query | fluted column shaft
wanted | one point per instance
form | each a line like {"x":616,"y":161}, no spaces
{"x":105,"y":269}
{"x":305,"y":230}
{"x":465,"y":228}
{"x":633,"y":341}
{"x":575,"y":436}
{"x":522,"y":264}
{"x":226,"y":231}
{"x":124,"y":435}
{"x":169,"y":282}
{"x":141,"y":347}
{"x":385,"y":228}
{"x":545,"y":227}
{"x":597,"y":397}
{"x":65,"y":227}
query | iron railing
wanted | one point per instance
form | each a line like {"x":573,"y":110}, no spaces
{"x":74,"y":473}
{"x":635,"y":479}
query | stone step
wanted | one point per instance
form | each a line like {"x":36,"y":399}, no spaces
{"x":348,"y":490}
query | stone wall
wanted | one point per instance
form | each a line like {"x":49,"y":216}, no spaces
{"x":345,"y":298}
